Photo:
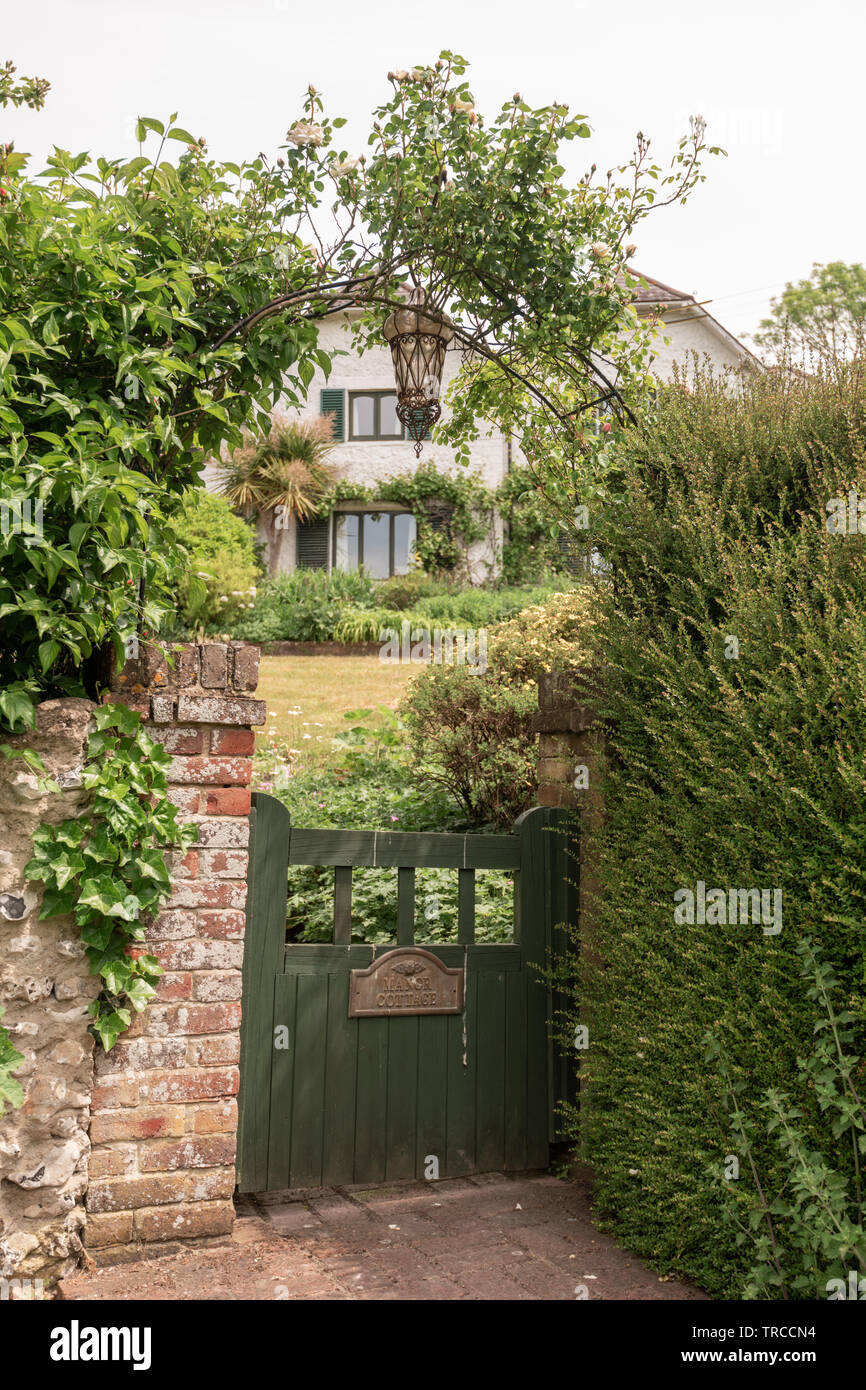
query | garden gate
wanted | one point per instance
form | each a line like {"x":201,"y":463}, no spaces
{"x":361,"y":1063}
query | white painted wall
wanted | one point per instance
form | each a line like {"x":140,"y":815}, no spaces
{"x":374,"y":461}
{"x":692,"y":331}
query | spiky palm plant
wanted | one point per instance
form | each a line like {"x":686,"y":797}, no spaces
{"x":280,"y":476}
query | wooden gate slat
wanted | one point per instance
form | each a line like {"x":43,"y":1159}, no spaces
{"x":387,"y":849}
{"x":342,"y":905}
{"x":531,"y":926}
{"x":402,"y":1097}
{"x":490,"y":1085}
{"x":340,"y":1046}
{"x":466,"y":906}
{"x":405,"y":907}
{"x":308,"y":1095}
{"x":462,"y":1071}
{"x":264,"y":944}
{"x":515,"y":1072}
{"x":431,"y":1131}
{"x":372,"y":1101}
{"x":279,"y":1148}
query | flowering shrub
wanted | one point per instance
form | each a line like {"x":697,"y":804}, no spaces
{"x":470,"y":734}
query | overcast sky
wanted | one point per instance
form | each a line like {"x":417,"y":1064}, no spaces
{"x":779,"y":82}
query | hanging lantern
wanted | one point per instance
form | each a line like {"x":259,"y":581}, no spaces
{"x":418,"y":346}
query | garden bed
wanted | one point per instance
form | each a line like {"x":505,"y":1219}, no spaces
{"x":321,"y":648}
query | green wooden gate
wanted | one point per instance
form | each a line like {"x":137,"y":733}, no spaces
{"x":327,"y":1099}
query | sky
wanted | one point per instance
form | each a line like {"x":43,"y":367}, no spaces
{"x":779,"y":83}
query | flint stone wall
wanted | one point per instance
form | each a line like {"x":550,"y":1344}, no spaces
{"x":45,"y":988}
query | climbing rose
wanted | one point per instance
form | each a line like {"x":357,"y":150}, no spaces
{"x":306,"y":133}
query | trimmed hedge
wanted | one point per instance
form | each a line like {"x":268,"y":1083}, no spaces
{"x":741,"y":764}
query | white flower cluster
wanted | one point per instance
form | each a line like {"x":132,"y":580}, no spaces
{"x":240,"y":593}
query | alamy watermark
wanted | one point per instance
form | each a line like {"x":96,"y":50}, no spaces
{"x":721,"y":907}
{"x":21,"y":516}
{"x":847,"y":515}
{"x":21,"y":1290}
{"x":854,"y":1289}
{"x":443,"y":646}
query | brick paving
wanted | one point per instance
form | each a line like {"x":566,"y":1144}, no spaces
{"x":492,"y":1237}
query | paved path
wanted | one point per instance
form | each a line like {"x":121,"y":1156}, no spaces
{"x":490,"y":1237}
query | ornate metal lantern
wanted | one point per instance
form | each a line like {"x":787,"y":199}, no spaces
{"x":418,"y":346}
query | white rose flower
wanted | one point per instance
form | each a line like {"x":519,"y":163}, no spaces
{"x":347,"y":166}
{"x":600,"y":250}
{"x":459,"y":105}
{"x":305,"y":133}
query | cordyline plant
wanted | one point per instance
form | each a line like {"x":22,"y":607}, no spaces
{"x":282,"y":476}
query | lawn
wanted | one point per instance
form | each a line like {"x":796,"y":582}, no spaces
{"x":308,"y":696}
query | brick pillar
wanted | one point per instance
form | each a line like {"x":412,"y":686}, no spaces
{"x":164,"y":1106}
{"x":570,"y":764}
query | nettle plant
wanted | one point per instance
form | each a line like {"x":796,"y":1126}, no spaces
{"x":108,"y":868}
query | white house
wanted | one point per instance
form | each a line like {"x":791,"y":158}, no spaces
{"x":371,"y":444}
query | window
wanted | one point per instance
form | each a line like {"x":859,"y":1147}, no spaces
{"x":373,"y":415}
{"x":383,"y":543}
{"x":346,"y":547}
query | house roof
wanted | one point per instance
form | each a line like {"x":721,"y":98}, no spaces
{"x":655,"y":295}
{"x":650,"y":291}
{"x":650,"y":294}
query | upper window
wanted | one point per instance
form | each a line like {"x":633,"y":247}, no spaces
{"x":373,"y":415}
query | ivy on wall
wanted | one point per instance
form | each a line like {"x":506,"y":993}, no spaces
{"x":107,"y":867}
{"x":11,"y":1091}
{"x":533,"y":526}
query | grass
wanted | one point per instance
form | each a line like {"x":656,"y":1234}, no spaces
{"x":308,"y":696}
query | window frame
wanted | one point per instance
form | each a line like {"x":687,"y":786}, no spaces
{"x":360,"y":513}
{"x":377,"y":437}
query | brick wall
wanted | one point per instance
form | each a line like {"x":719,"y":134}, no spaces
{"x":164,"y":1106}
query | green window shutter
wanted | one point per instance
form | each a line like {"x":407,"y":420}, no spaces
{"x":312,"y":544}
{"x":334,"y":403}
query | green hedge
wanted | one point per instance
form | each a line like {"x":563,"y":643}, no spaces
{"x":741,"y":771}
